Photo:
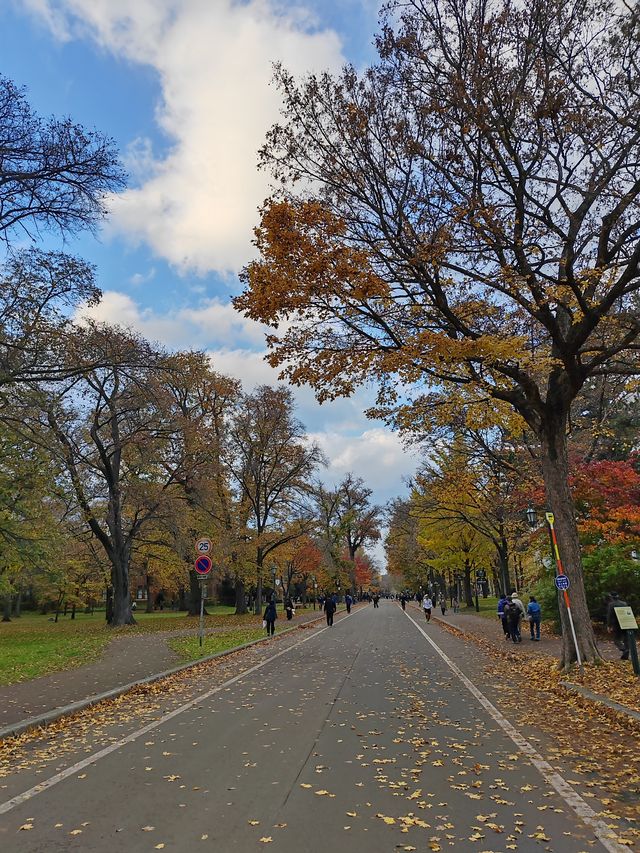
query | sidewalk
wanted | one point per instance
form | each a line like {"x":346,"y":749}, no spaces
{"x":470,"y":622}
{"x":125,"y":659}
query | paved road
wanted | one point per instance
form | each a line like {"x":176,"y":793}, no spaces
{"x":359,"y":738}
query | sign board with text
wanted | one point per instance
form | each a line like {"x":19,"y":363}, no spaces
{"x":626,"y":619}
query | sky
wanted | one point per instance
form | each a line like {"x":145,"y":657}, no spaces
{"x":183,"y":87}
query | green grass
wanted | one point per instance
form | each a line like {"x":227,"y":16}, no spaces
{"x":30,"y":653}
{"x":35,"y":645}
{"x":189,"y":648}
{"x":488,"y":607}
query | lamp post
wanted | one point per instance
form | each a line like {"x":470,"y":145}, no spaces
{"x":315,"y":592}
{"x":273,"y":581}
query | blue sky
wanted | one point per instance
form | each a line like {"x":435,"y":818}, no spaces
{"x":183,"y":88}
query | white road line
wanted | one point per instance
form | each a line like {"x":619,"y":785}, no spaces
{"x":583,"y":810}
{"x":92,"y":759}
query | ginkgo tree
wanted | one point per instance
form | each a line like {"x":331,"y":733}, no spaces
{"x":459,"y":223}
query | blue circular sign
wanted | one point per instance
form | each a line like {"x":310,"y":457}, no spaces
{"x":203,"y":565}
{"x":562,"y":582}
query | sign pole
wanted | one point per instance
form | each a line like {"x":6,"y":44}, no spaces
{"x":201,"y":610}
{"x":633,"y":651}
{"x":563,"y":585}
{"x":203,"y":567}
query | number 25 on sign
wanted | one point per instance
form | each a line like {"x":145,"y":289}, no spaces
{"x":203,"y":545}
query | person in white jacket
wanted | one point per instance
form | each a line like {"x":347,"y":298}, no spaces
{"x":427,"y":606}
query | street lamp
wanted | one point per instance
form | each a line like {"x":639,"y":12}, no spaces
{"x":532,"y":517}
{"x":315,"y":592}
{"x":274,"y":569}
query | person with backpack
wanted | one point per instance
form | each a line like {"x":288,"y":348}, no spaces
{"x":348,"y":600}
{"x":534,"y":614}
{"x":270,"y":616}
{"x":513,"y":615}
{"x":288,"y":609}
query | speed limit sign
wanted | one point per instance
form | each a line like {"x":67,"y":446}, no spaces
{"x":203,"y":546}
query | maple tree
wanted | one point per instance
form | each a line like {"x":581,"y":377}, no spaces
{"x":459,"y":223}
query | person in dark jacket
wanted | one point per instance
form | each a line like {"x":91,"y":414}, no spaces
{"x":348,"y":600}
{"x":270,"y":616}
{"x":620,"y":637}
{"x":288,"y":607}
{"x":502,"y":616}
{"x":513,"y":615}
{"x":329,"y":609}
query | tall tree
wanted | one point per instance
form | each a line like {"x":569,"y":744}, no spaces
{"x":107,"y":428}
{"x":460,"y":223}
{"x":199,"y":402}
{"x":54,"y":174}
{"x":348,"y":520}
{"x":271,"y":463}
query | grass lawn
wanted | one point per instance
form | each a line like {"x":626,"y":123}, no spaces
{"x":189,"y":649}
{"x":488,"y":607}
{"x":35,"y":645}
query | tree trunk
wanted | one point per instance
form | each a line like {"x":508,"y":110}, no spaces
{"x":17,"y":605}
{"x":555,"y":470}
{"x":468,"y":594}
{"x":195,"y":591}
{"x":6,"y":608}
{"x":73,"y":610}
{"x":149,"y":607}
{"x":241,"y":600}
{"x":259,"y":560}
{"x":502,"y":549}
{"x":121,"y":614}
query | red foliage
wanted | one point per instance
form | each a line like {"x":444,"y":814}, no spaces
{"x":607,"y":498}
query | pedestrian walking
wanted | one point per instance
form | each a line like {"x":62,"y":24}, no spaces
{"x":443,"y":604}
{"x":427,"y":606}
{"x":329,"y":609}
{"x":534,"y":614}
{"x":513,"y":615}
{"x":523,"y":613}
{"x":288,"y":609}
{"x":403,"y":602}
{"x":270,"y":616}
{"x":502,"y":616}
{"x":348,"y":600}
{"x":620,"y":637}
{"x":455,"y":604}
{"x":376,"y":600}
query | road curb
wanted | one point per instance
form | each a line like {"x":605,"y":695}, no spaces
{"x":45,"y":719}
{"x":600,"y":700}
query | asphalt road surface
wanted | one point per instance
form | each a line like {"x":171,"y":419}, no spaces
{"x":362,"y":737}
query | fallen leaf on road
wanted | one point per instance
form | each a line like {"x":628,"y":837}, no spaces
{"x":266,"y":839}
{"x":26,"y":826}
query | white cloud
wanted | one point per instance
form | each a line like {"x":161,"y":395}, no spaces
{"x":212,"y":324}
{"x":139,"y":278}
{"x":376,"y":455}
{"x":196,"y":207}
